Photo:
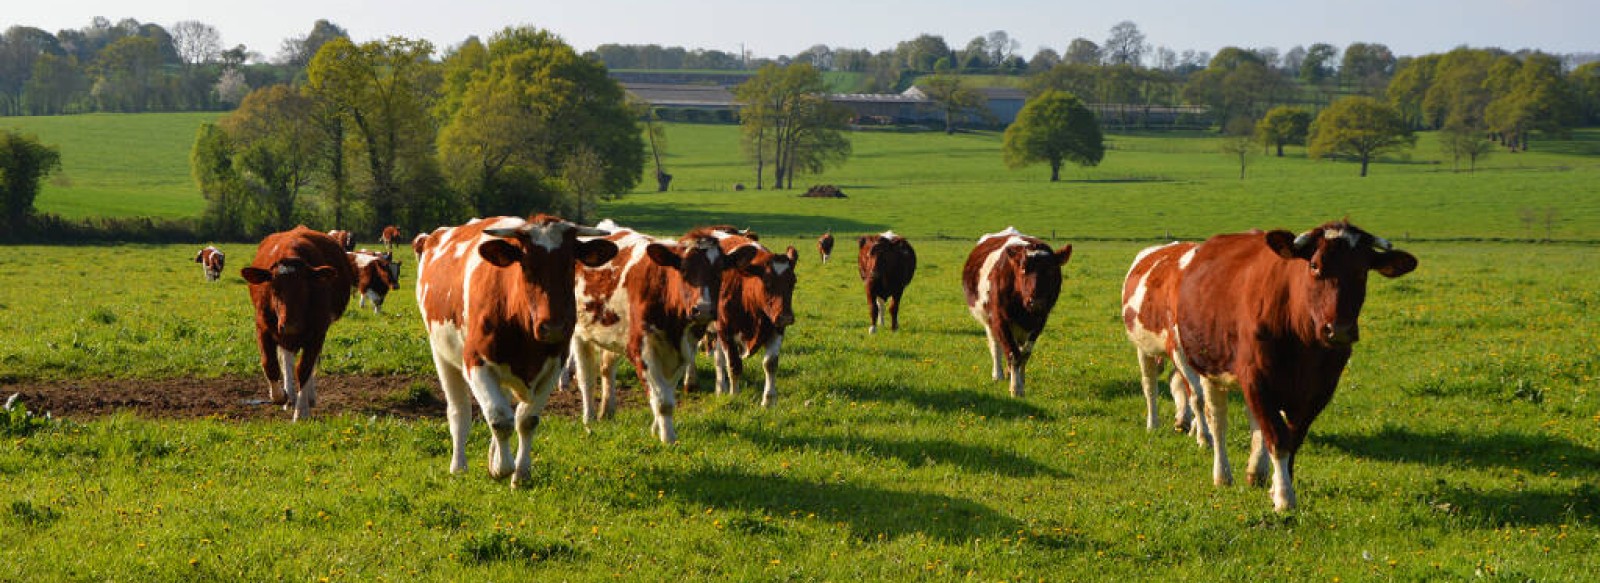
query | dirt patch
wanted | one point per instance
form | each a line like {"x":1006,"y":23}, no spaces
{"x":242,"y":398}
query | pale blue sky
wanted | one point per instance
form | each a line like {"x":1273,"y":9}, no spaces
{"x":767,"y":29}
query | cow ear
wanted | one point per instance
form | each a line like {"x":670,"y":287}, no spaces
{"x":596,"y":252}
{"x":663,"y":255}
{"x":1282,"y":243}
{"x":793,"y":255}
{"x":861,"y":241}
{"x":1394,"y":263}
{"x":255,"y":275}
{"x":499,"y":252}
{"x":740,"y":259}
{"x":1063,"y":254}
{"x":323,"y":273}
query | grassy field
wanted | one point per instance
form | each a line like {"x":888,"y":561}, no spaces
{"x":119,"y":165}
{"x":1464,"y":442}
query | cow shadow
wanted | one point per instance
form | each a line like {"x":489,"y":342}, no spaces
{"x":665,"y":219}
{"x":999,"y":404}
{"x":1501,"y":508}
{"x":1529,"y":452}
{"x":914,"y":453}
{"x":868,"y":512}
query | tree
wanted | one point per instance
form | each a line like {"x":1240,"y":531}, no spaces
{"x":24,"y":164}
{"x":1283,"y":125}
{"x":1082,"y":51}
{"x":197,"y":43}
{"x":125,"y":74}
{"x":385,"y":90}
{"x":656,"y":135}
{"x":1530,"y":94}
{"x":954,"y":99}
{"x":1461,"y":141}
{"x":274,"y":141}
{"x":1043,"y":61}
{"x":1054,"y":127}
{"x":1001,"y":46}
{"x":1237,"y":83}
{"x":788,"y":120}
{"x":231,"y":87}
{"x":1317,"y":65}
{"x":1126,"y":45}
{"x":976,"y":56}
{"x":1238,"y":142}
{"x":919,"y":54}
{"x":211,"y":165}
{"x":1367,"y":66}
{"x":1359,"y":127}
{"x":584,"y":176}
{"x":298,"y":51}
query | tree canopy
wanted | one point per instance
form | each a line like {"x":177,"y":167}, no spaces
{"x":1359,"y":127}
{"x":1053,"y":127}
{"x":24,"y":163}
{"x":787,"y":120}
{"x":1283,"y":125}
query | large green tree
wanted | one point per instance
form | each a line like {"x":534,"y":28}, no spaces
{"x":1054,"y":127}
{"x":787,"y":121}
{"x":385,"y":89}
{"x":24,"y":163}
{"x":1283,"y":125}
{"x":1237,"y":83}
{"x":1359,"y":127}
{"x":211,"y":164}
{"x":275,"y":142}
{"x":953,"y":98}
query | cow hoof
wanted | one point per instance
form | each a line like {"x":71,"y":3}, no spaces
{"x":872,"y":329}
{"x":1255,"y":481}
{"x":521,"y":480}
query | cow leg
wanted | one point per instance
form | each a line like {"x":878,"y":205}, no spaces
{"x":769,"y":366}
{"x":291,"y":389}
{"x":269,"y":366}
{"x":1256,"y":469}
{"x":894,"y":313}
{"x":735,"y":360}
{"x":1216,"y":400}
{"x":305,"y":372}
{"x":1019,"y":362}
{"x":655,"y":372}
{"x":997,"y":368}
{"x":497,"y":411}
{"x":1149,"y":373}
{"x":458,"y":410}
{"x":1194,"y":409}
{"x":584,"y":365}
{"x":608,"y":384}
{"x":1183,"y":411}
{"x":528,"y":411}
{"x":720,"y":358}
{"x":875,"y":315}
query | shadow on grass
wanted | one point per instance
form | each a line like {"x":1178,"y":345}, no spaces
{"x":999,"y":405}
{"x":665,"y":219}
{"x":1499,"y":508}
{"x":1529,"y":452}
{"x":867,"y":511}
{"x":914,"y":453}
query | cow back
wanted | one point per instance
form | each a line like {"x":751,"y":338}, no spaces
{"x":887,"y":262}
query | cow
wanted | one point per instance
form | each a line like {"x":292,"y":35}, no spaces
{"x":389,"y":236}
{"x":755,"y":307}
{"x":825,"y":246}
{"x":886,"y":263}
{"x":376,"y":274}
{"x":418,"y":243}
{"x":344,"y":238}
{"x":1274,"y":315}
{"x":1147,"y":315}
{"x":651,"y":304}
{"x":210,"y":260}
{"x":300,"y":285}
{"x":1011,"y":282}
{"x":496,"y":297}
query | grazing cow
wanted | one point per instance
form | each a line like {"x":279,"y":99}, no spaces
{"x":650,"y":303}
{"x":1274,"y":316}
{"x":754,"y":308}
{"x":389,"y":236}
{"x":300,"y":284}
{"x":496,"y":299}
{"x":825,"y":246}
{"x":886,"y":264}
{"x":418,"y":243}
{"x":344,"y":238}
{"x":1147,"y":314}
{"x":1012,"y":281}
{"x":210,"y":259}
{"x":376,"y":274}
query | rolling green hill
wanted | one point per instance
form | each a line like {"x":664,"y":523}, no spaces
{"x":119,"y":164}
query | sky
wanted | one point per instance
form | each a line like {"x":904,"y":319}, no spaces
{"x":770,"y":29}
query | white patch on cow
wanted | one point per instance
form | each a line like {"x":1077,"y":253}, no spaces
{"x":780,"y":266}
{"x":1350,"y":237}
{"x":362,"y":259}
{"x":1008,"y":232}
{"x":609,"y":225}
{"x":548,"y":235}
{"x":1183,"y":262}
{"x":889,"y":234}
{"x":506,"y":224}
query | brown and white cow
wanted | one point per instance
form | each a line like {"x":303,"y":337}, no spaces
{"x":211,"y":261}
{"x":344,"y":238}
{"x":389,"y":236}
{"x":651,"y":303}
{"x":755,"y":307}
{"x":825,"y":246}
{"x":376,"y":274}
{"x":1147,"y":314}
{"x":1274,"y":315}
{"x":1011,"y":282}
{"x":886,"y":263}
{"x":300,"y":284}
{"x":496,"y":299}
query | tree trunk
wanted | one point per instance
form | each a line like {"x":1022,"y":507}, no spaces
{"x":1364,"y":166}
{"x":1280,"y":149}
{"x":1055,"y":170}
{"x":662,"y":180}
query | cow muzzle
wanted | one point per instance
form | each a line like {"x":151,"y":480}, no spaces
{"x":553,"y":332}
{"x":1340,"y":334}
{"x":703,"y":313}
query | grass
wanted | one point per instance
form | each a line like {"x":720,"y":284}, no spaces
{"x":119,"y":165}
{"x":1464,"y":441}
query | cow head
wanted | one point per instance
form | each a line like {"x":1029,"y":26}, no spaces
{"x":290,"y":284}
{"x":1036,"y":273}
{"x":771,"y":278}
{"x":1333,"y":263}
{"x":547,"y":250}
{"x":699,"y":261}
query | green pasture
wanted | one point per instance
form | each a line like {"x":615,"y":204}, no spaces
{"x":1464,"y":441}
{"x":119,"y":165}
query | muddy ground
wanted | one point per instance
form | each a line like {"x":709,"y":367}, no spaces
{"x":245,"y":398}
